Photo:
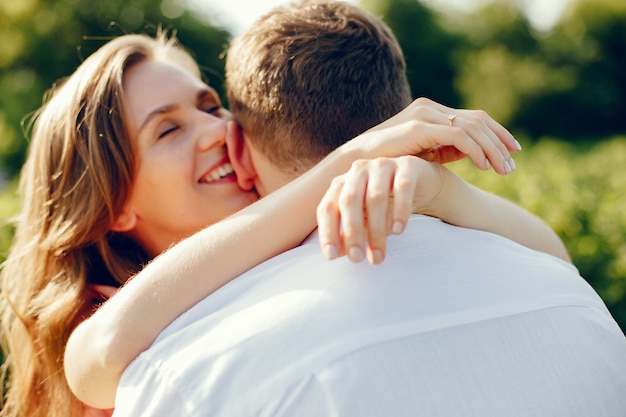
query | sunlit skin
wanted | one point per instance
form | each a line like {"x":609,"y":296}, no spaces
{"x":184,"y":180}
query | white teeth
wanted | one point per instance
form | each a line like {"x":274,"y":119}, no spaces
{"x":219,"y":172}
{"x":226,"y":169}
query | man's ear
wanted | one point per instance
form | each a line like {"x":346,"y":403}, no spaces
{"x":239,"y":155}
{"x":126,"y":221}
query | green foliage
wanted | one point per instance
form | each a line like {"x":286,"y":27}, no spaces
{"x":428,"y":47}
{"x":566,"y":83}
{"x":590,"y":45}
{"x":581,"y":194}
{"x":9,"y":206}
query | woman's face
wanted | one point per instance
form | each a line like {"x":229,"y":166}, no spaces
{"x":184,"y":180}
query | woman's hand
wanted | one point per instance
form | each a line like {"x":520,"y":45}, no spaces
{"x":441,"y":134}
{"x":375,"y":198}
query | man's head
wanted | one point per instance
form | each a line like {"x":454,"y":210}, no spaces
{"x":309,"y":76}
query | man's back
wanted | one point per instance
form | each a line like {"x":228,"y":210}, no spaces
{"x":455,"y":322}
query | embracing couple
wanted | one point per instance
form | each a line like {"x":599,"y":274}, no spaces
{"x":470,"y":306}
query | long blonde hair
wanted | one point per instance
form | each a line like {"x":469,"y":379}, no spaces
{"x":74,"y":184}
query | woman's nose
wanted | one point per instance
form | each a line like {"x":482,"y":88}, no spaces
{"x":211,"y":131}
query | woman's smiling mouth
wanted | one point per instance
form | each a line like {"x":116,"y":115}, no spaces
{"x":217,"y":173}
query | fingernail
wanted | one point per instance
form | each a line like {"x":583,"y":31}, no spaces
{"x":512,"y":164}
{"x":507,"y":167}
{"x":330,"y":251}
{"x":487,"y":165}
{"x":397,"y":228}
{"x":356,"y":254}
{"x":518,"y":146}
{"x":377,"y":255}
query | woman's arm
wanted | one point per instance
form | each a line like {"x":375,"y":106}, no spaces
{"x":102,"y":346}
{"x":464,"y":205}
{"x":356,"y":213}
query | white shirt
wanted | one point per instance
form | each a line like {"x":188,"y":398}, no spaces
{"x":455,"y":322}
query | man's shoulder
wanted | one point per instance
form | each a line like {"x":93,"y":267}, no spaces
{"x":470,"y":241}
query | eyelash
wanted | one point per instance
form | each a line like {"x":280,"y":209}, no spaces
{"x":214,"y":109}
{"x":167,"y":132}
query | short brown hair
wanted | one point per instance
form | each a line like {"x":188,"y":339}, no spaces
{"x":309,"y":76}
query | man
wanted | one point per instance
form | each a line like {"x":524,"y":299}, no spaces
{"x":454,"y":322}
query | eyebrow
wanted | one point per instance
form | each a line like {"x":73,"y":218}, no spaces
{"x":205,"y":92}
{"x":201,"y":95}
{"x":157,"y":112}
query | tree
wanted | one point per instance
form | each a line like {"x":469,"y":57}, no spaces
{"x":588,"y":47}
{"x":500,"y":69}
{"x":429,"y":49}
{"x":567,"y":82}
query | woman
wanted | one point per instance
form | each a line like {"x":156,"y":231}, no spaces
{"x":87,"y":185}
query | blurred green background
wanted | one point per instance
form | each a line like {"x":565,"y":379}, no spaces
{"x":561,"y":91}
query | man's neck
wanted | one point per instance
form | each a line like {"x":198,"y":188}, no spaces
{"x":270,"y":178}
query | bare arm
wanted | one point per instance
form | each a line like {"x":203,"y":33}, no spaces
{"x":464,"y":205}
{"x":102,"y":346}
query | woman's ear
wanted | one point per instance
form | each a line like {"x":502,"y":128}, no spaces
{"x":125,"y":221}
{"x":239,"y":155}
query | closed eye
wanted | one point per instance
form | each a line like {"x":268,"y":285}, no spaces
{"x":168,"y":131}
{"x":214,"y":110}
{"x":209,"y":102}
